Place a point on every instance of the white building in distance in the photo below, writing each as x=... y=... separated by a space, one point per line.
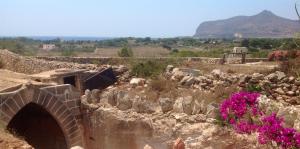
x=48 y=47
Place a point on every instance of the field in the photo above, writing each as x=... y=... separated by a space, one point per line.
x=138 y=51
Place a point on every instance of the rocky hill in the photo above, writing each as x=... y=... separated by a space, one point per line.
x=265 y=24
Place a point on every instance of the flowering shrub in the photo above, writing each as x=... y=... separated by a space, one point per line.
x=272 y=130
x=241 y=111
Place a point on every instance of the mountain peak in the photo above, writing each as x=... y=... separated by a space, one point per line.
x=266 y=13
x=263 y=25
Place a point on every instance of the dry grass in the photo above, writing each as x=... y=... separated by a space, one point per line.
x=220 y=93
x=291 y=67
x=138 y=51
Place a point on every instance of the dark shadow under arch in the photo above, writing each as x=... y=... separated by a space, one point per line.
x=38 y=128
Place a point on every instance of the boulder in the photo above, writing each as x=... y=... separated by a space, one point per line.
x=177 y=107
x=187 y=81
x=256 y=77
x=112 y=97
x=137 y=81
x=290 y=114
x=95 y=95
x=269 y=106
x=244 y=79
x=169 y=68
x=198 y=106
x=290 y=93
x=123 y=101
x=166 y=104
x=280 y=75
x=143 y=106
x=212 y=110
x=297 y=82
x=187 y=104
x=88 y=96
x=292 y=79
x=280 y=91
x=147 y=147
x=177 y=74
x=216 y=72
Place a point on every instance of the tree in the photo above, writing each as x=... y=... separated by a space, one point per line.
x=245 y=43
x=125 y=52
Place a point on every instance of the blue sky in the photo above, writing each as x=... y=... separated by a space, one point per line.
x=124 y=18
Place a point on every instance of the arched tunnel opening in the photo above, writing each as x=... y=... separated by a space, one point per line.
x=38 y=128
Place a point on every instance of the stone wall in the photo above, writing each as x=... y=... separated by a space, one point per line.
x=116 y=60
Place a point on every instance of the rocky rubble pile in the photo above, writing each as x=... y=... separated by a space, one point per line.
x=155 y=124
x=194 y=78
x=290 y=113
x=277 y=86
x=125 y=100
x=158 y=130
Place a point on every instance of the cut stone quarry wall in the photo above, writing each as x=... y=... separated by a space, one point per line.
x=29 y=65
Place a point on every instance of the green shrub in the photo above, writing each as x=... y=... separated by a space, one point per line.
x=253 y=88
x=125 y=52
x=149 y=68
x=68 y=53
x=260 y=54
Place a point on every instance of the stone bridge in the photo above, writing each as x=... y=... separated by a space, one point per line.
x=47 y=116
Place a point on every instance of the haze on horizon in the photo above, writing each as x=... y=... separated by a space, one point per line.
x=125 y=18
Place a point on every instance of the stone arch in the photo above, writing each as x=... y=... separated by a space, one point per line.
x=61 y=102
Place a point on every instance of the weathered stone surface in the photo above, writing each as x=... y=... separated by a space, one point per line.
x=166 y=104
x=88 y=96
x=290 y=114
x=188 y=81
x=123 y=101
x=144 y=106
x=290 y=93
x=187 y=104
x=178 y=105
x=212 y=110
x=170 y=68
x=216 y=72
x=95 y=95
x=280 y=91
x=137 y=81
x=147 y=147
